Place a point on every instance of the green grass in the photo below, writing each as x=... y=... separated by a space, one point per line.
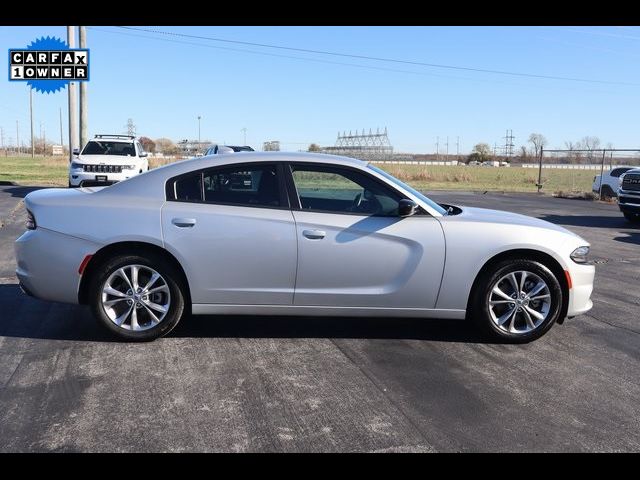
x=53 y=171
x=34 y=171
x=508 y=179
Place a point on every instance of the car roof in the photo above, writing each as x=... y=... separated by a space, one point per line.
x=216 y=160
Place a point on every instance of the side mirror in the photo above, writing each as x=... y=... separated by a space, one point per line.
x=76 y=151
x=143 y=154
x=406 y=208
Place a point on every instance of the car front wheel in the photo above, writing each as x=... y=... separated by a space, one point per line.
x=137 y=297
x=517 y=301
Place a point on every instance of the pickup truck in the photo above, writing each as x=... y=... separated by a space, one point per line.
x=629 y=195
x=609 y=182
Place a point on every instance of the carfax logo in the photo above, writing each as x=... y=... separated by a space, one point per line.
x=48 y=64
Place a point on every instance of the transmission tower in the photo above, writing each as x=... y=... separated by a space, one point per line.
x=131 y=128
x=508 y=143
x=371 y=146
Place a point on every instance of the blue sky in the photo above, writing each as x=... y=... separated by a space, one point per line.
x=165 y=82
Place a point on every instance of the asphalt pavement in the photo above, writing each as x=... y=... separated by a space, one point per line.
x=263 y=384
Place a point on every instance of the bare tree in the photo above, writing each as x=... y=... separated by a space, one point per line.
x=538 y=141
x=571 y=146
x=166 y=146
x=590 y=143
x=523 y=153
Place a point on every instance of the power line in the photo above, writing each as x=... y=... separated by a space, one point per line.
x=379 y=59
x=316 y=60
x=330 y=62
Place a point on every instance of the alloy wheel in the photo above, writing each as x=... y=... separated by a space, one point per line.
x=136 y=297
x=519 y=302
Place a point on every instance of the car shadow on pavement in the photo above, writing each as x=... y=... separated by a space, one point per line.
x=22 y=316
x=598 y=221
x=20 y=191
x=27 y=317
x=438 y=330
x=632 y=237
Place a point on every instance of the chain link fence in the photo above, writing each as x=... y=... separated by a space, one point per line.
x=580 y=164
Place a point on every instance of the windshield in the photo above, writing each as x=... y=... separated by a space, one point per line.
x=394 y=180
x=100 y=147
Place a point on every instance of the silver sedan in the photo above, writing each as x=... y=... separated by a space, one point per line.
x=295 y=234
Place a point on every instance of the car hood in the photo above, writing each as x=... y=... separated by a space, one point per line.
x=106 y=159
x=484 y=215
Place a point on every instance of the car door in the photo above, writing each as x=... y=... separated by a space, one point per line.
x=232 y=230
x=353 y=248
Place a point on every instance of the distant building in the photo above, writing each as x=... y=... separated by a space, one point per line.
x=57 y=150
x=272 y=146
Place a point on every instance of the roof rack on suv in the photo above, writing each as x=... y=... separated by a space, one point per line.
x=107 y=135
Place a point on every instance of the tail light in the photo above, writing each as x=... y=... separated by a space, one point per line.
x=31 y=221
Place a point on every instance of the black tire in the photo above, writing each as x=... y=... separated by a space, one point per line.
x=481 y=295
x=172 y=278
x=607 y=192
x=632 y=217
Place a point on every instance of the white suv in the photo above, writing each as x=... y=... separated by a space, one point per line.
x=107 y=159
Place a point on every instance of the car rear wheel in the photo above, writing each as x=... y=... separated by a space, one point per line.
x=137 y=297
x=516 y=301
x=607 y=192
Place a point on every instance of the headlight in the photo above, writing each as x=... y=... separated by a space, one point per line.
x=31 y=221
x=76 y=165
x=580 y=254
x=620 y=180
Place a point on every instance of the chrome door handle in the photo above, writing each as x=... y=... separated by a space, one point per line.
x=184 y=222
x=314 y=234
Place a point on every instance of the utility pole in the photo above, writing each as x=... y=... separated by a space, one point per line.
x=61 y=141
x=447 y=157
x=44 y=142
x=437 y=148
x=539 y=184
x=131 y=128
x=33 y=147
x=18 y=137
x=199 y=117
x=73 y=102
x=508 y=143
x=2 y=139
x=244 y=130
x=604 y=154
x=83 y=95
x=458 y=148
